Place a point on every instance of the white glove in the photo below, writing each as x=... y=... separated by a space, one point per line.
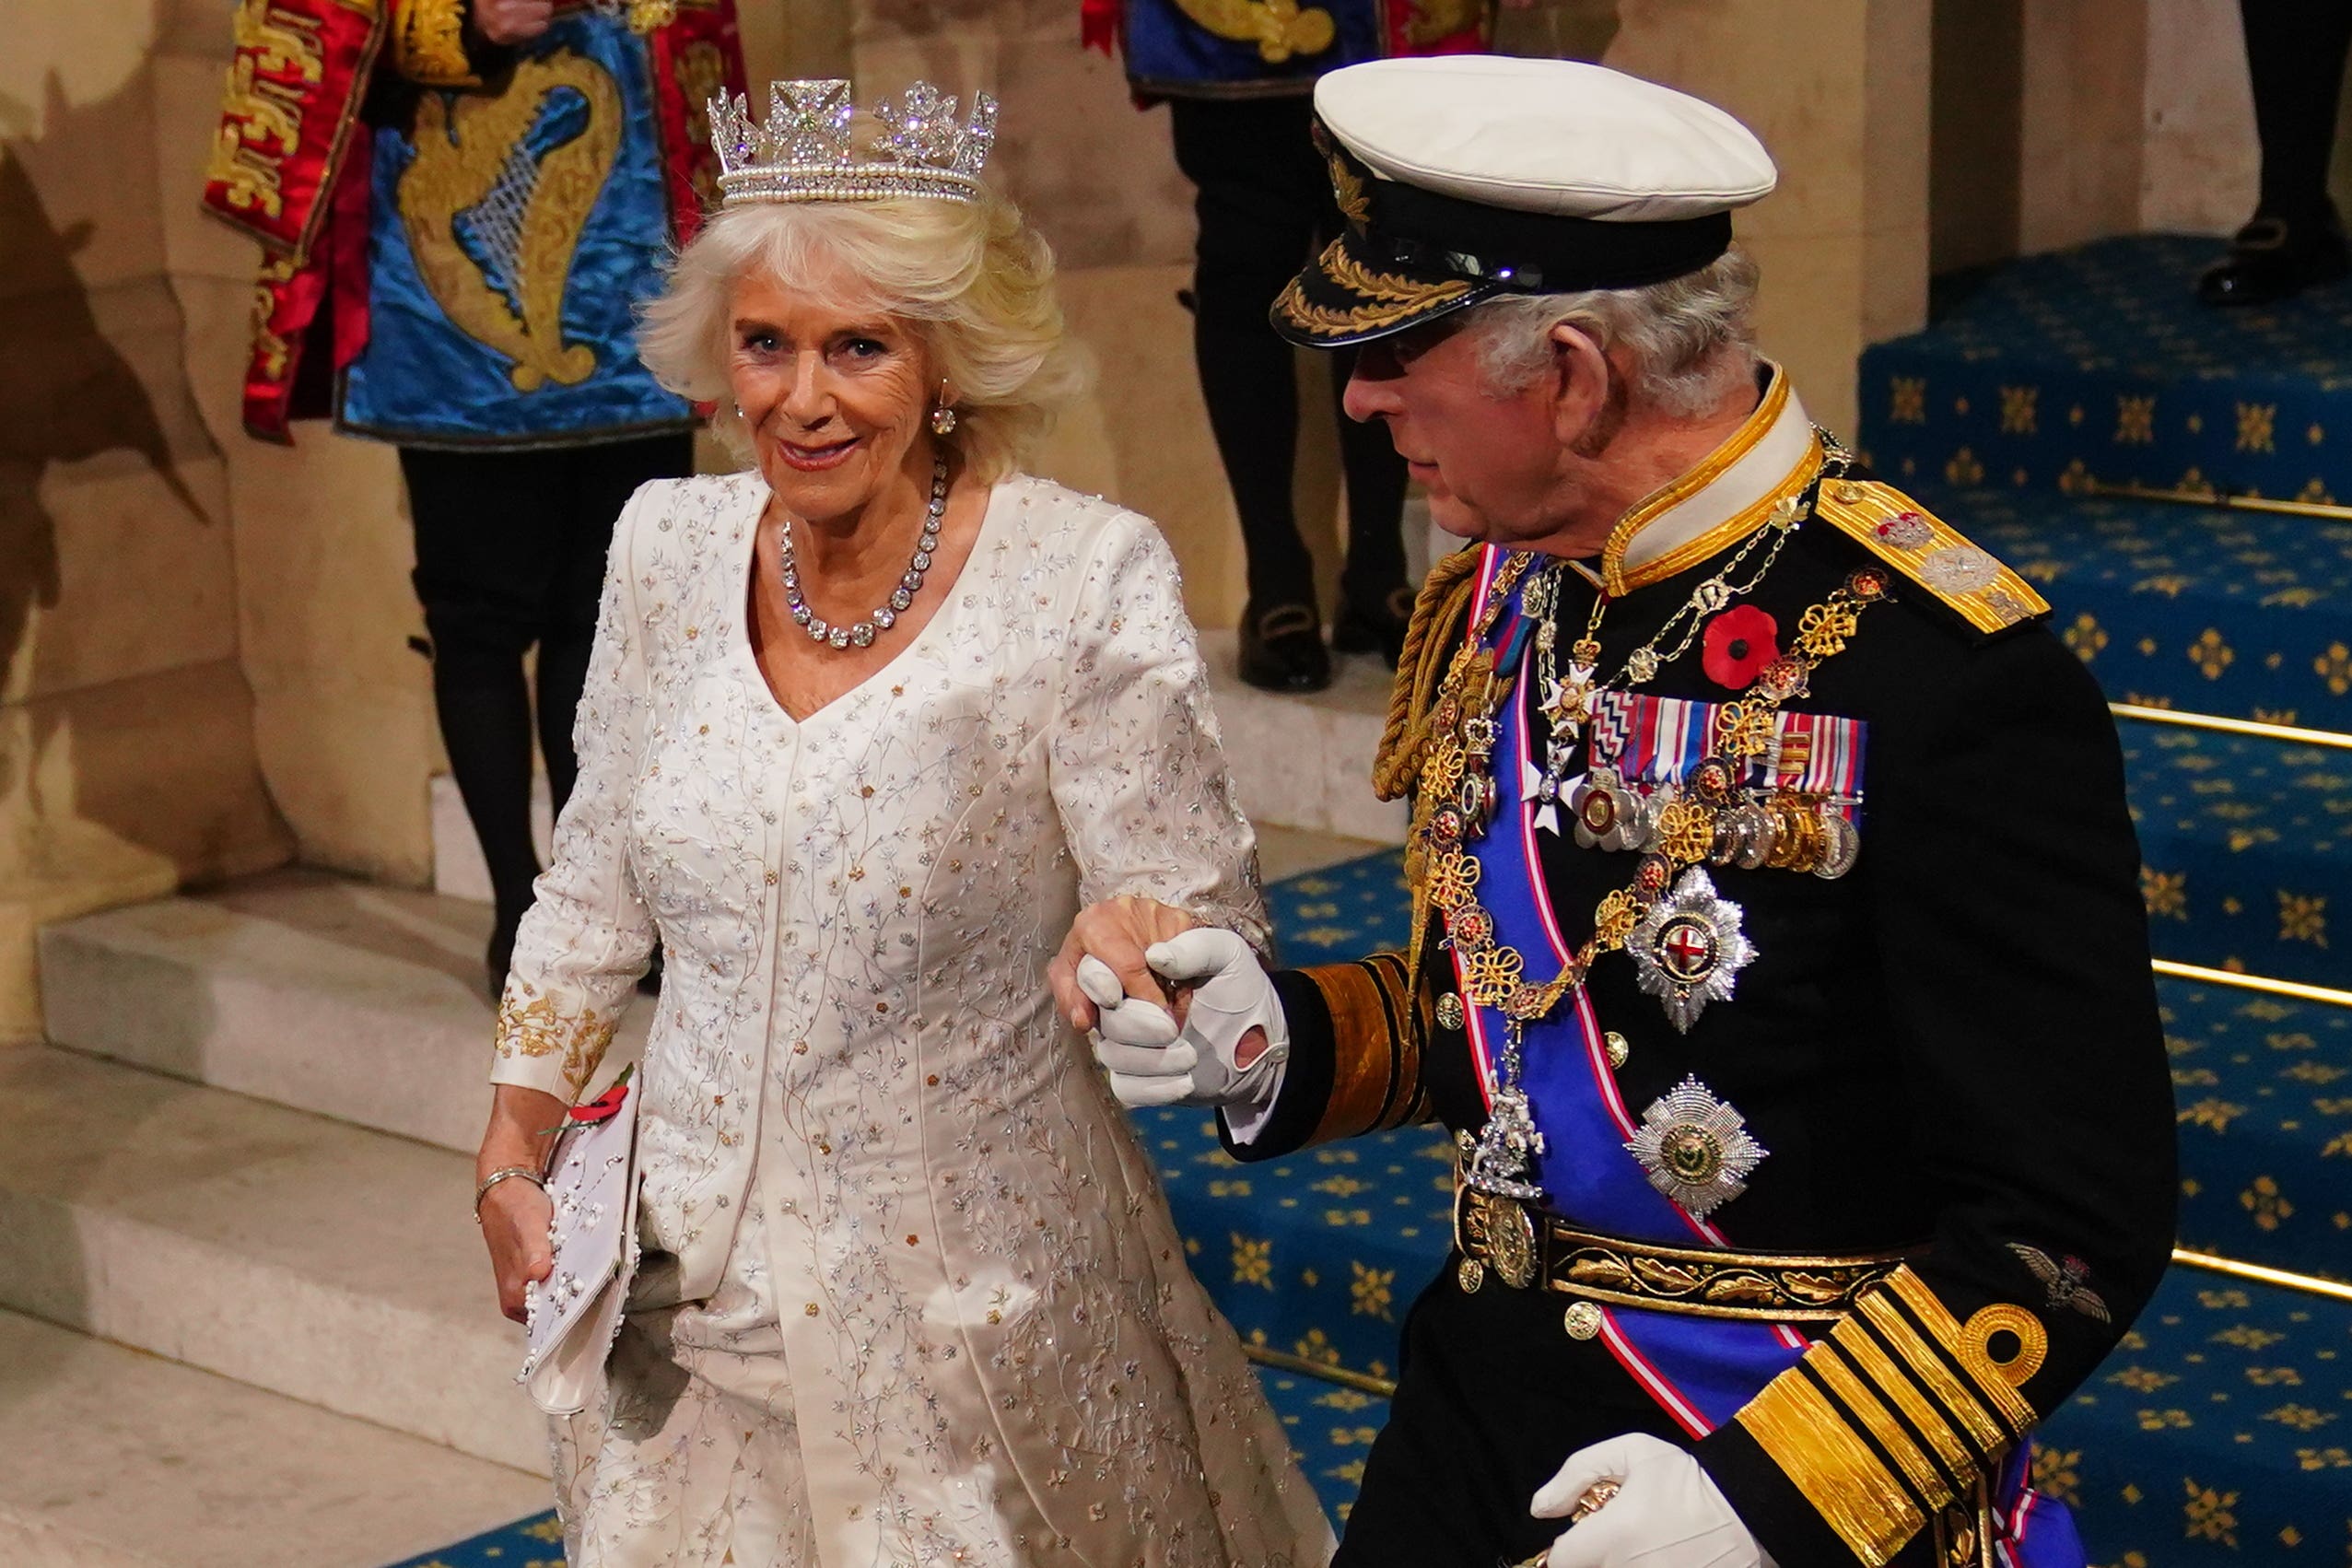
x=1151 y=1063
x=1667 y=1512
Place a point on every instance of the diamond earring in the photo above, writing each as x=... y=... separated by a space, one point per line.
x=943 y=420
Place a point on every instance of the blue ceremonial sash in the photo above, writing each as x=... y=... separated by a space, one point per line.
x=512 y=236
x=1701 y=1370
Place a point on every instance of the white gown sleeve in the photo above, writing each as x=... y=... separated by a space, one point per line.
x=589 y=934
x=1137 y=767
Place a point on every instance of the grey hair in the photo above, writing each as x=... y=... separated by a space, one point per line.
x=1692 y=339
x=972 y=279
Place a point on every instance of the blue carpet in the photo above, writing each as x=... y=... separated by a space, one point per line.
x=2189 y=607
x=2247 y=850
x=2100 y=361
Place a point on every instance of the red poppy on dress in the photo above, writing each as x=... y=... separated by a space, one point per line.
x=605 y=1106
x=1739 y=644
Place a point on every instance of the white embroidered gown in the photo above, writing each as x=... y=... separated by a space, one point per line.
x=913 y=1294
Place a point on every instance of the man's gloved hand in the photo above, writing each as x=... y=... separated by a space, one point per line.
x=1151 y=1062
x=1667 y=1512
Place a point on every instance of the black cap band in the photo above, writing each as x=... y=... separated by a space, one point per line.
x=1534 y=252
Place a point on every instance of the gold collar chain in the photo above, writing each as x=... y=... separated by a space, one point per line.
x=1458 y=796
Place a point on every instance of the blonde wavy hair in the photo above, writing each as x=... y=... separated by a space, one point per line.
x=972 y=279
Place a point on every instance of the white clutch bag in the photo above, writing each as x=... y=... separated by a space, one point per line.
x=574 y=1314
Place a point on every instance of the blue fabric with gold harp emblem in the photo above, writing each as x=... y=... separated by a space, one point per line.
x=1220 y=47
x=513 y=237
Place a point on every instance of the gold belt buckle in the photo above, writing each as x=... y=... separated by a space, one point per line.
x=1497 y=1233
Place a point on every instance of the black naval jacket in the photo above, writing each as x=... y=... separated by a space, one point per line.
x=1955 y=1049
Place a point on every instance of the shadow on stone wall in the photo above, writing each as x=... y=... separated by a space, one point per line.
x=66 y=393
x=88 y=371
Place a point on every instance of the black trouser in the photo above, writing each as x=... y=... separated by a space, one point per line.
x=2295 y=52
x=510 y=551
x=1263 y=197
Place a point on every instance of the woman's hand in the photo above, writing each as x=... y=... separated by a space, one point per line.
x=506 y=22
x=516 y=1213
x=1117 y=931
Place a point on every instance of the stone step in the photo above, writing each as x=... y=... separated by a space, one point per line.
x=324 y=1262
x=119 y=1459
x=355 y=1001
x=1307 y=760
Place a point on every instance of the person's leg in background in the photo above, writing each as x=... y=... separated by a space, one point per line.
x=2294 y=54
x=602 y=479
x=1254 y=233
x=1375 y=602
x=487 y=553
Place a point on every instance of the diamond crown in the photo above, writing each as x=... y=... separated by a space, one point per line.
x=805 y=152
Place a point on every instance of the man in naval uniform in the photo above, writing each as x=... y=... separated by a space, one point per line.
x=1778 y=955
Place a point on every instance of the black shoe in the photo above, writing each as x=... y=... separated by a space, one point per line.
x=2271 y=259
x=1281 y=649
x=1380 y=631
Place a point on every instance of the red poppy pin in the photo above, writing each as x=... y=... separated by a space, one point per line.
x=1739 y=644
x=606 y=1106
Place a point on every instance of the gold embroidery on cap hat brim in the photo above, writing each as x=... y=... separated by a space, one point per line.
x=1390 y=296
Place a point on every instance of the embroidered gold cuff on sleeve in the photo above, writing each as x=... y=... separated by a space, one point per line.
x=1901 y=1411
x=1375 y=1071
x=429 y=44
x=530 y=1025
x=1929 y=552
x=1817 y=1447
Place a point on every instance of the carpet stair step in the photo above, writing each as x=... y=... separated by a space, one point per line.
x=119 y=1459
x=1316 y=1256
x=2264 y=1085
x=351 y=1000
x=2195 y=608
x=2100 y=361
x=301 y=1256
x=2219 y=1433
x=2247 y=848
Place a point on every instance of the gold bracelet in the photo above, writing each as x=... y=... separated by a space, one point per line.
x=528 y=1172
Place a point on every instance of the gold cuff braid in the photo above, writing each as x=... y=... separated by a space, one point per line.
x=1902 y=1410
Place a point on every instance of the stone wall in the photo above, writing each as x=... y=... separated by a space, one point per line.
x=128 y=754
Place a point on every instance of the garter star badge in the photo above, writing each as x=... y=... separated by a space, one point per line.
x=1688 y=948
x=1696 y=1148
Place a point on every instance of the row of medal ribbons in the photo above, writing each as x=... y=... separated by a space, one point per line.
x=1797 y=805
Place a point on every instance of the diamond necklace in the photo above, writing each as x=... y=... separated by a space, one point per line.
x=862 y=633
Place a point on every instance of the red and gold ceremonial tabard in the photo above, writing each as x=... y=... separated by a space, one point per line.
x=290 y=164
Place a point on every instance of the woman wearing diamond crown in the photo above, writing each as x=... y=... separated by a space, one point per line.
x=865 y=726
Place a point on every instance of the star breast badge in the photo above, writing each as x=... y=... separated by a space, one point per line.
x=1695 y=1149
x=1688 y=948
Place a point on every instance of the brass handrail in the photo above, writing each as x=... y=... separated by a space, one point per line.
x=2262 y=729
x=2228 y=500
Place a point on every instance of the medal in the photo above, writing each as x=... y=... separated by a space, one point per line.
x=1844 y=845
x=1688 y=948
x=1696 y=1148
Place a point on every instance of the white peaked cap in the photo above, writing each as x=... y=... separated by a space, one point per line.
x=1553 y=137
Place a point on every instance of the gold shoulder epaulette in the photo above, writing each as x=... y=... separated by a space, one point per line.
x=1930 y=552
x=1438 y=614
